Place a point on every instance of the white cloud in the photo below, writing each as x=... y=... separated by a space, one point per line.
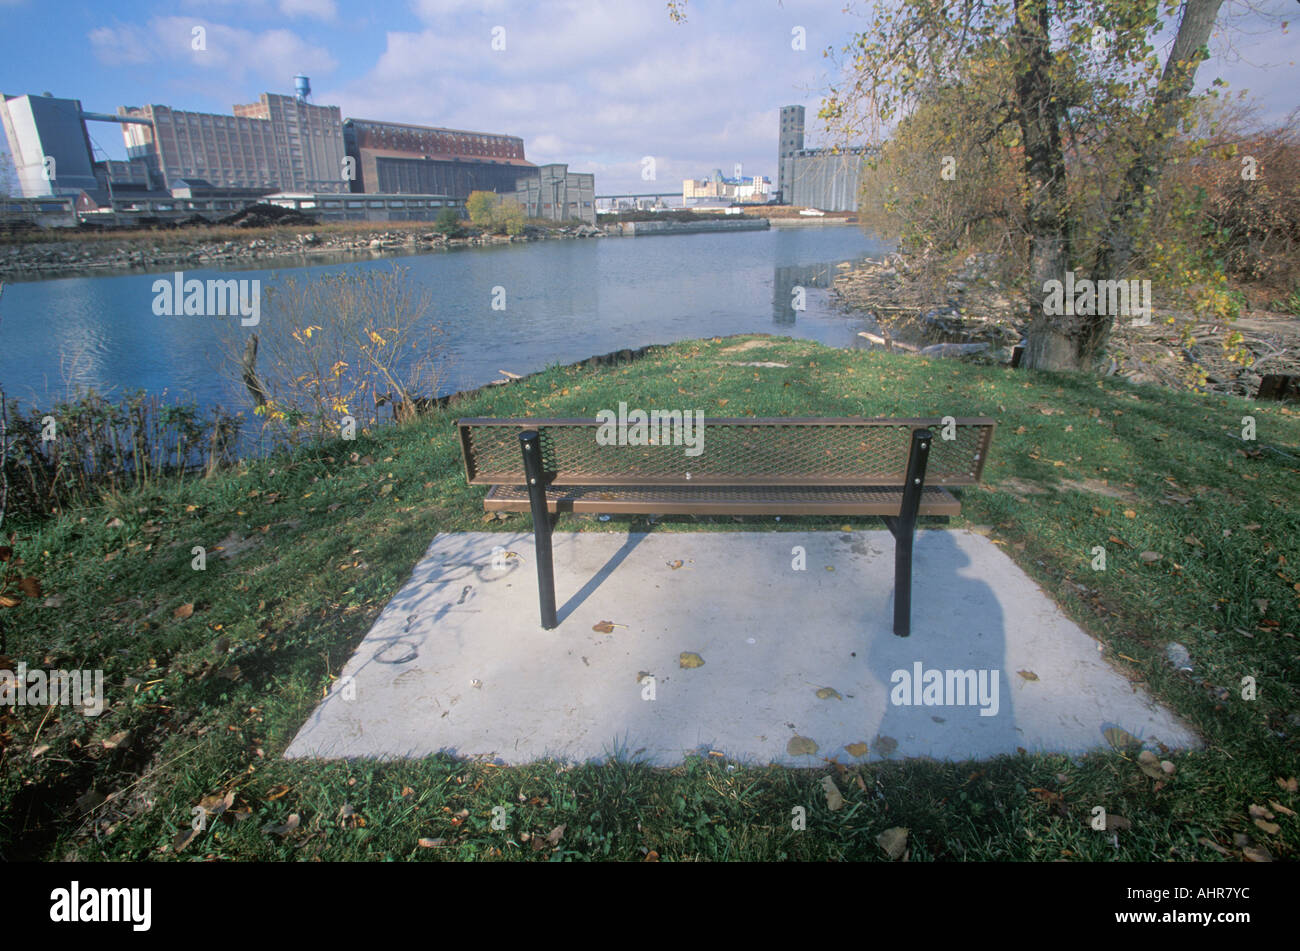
x=272 y=55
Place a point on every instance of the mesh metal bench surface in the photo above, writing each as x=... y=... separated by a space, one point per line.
x=892 y=468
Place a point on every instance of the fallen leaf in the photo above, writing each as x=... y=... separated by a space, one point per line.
x=217 y=803
x=857 y=749
x=1210 y=843
x=430 y=843
x=1278 y=807
x=1256 y=853
x=1272 y=828
x=1150 y=557
x=885 y=745
x=183 y=838
x=1114 y=822
x=1129 y=513
x=290 y=824
x=30 y=587
x=827 y=693
x=651 y=856
x=893 y=841
x=1149 y=763
x=1027 y=674
x=689 y=660
x=276 y=792
x=674 y=565
x=801 y=746
x=1120 y=738
x=184 y=611
x=556 y=834
x=834 y=799
x=1289 y=785
x=118 y=741
x=1193 y=540
x=603 y=627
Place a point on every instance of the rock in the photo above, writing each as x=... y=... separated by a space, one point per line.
x=1178 y=656
x=953 y=349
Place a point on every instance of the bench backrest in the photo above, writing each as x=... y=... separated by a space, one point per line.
x=743 y=451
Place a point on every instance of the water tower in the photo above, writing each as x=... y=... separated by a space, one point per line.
x=303 y=86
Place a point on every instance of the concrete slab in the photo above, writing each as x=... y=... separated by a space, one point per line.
x=459 y=663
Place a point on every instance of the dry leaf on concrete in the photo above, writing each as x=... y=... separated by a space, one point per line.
x=801 y=746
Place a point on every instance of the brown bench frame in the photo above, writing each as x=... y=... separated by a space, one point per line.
x=898 y=498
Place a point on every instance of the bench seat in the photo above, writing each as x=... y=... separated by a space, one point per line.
x=724 y=500
x=839 y=467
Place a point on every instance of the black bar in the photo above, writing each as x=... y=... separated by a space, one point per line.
x=532 y=449
x=904 y=529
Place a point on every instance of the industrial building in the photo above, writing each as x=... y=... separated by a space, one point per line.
x=756 y=189
x=556 y=194
x=789 y=142
x=49 y=145
x=396 y=158
x=182 y=162
x=279 y=142
x=367 y=207
x=827 y=179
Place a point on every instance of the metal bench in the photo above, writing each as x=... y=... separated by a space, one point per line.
x=892 y=468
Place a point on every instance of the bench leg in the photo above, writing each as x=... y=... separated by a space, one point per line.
x=532 y=449
x=904 y=529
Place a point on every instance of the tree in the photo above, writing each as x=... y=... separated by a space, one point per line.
x=448 y=222
x=1076 y=73
x=508 y=216
x=480 y=206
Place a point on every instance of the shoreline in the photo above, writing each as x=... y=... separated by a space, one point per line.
x=144 y=253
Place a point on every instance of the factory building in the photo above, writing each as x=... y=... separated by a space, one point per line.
x=279 y=142
x=556 y=194
x=828 y=179
x=790 y=141
x=48 y=144
x=180 y=161
x=753 y=190
x=396 y=158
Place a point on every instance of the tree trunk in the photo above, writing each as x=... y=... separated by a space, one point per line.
x=1131 y=205
x=1052 y=340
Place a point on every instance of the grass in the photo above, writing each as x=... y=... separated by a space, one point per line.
x=321 y=540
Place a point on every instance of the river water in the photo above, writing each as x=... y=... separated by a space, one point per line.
x=566 y=300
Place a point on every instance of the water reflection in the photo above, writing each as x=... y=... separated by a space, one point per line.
x=789 y=288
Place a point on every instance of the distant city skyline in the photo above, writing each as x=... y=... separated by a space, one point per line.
x=599 y=86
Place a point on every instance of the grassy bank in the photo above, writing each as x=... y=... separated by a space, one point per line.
x=212 y=672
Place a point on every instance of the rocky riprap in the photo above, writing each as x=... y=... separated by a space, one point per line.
x=972 y=313
x=140 y=253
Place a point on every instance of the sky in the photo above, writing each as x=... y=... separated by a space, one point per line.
x=599 y=84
